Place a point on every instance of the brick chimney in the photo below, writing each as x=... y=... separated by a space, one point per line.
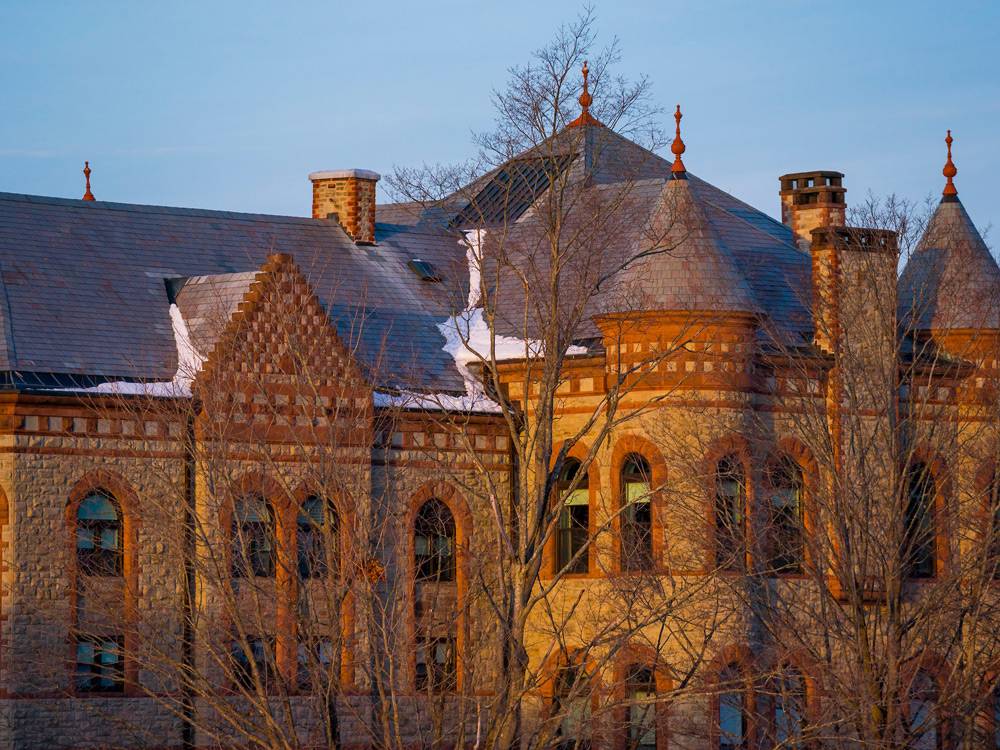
x=812 y=200
x=349 y=194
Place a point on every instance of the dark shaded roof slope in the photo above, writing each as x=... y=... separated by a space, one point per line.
x=951 y=281
x=85 y=290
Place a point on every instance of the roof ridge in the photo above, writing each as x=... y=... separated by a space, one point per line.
x=158 y=209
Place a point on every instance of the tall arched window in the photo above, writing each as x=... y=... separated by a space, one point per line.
x=925 y=725
x=640 y=686
x=789 y=708
x=786 y=516
x=571 y=705
x=253 y=538
x=732 y=721
x=637 y=515
x=434 y=542
x=99 y=535
x=919 y=532
x=574 y=519
x=317 y=540
x=730 y=513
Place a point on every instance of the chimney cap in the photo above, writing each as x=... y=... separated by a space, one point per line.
x=343 y=174
x=813 y=173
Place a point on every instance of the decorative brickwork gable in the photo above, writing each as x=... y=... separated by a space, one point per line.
x=281 y=360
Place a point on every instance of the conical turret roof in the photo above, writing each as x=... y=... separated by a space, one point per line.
x=688 y=267
x=952 y=281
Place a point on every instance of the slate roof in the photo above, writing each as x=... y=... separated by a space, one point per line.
x=84 y=292
x=724 y=255
x=952 y=280
x=84 y=297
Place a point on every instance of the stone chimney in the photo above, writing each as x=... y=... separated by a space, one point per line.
x=854 y=312
x=812 y=200
x=349 y=196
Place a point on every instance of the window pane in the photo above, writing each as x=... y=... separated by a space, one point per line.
x=572 y=702
x=923 y=718
x=259 y=656
x=642 y=710
x=637 y=516
x=97 y=507
x=434 y=542
x=436 y=668
x=316 y=538
x=919 y=532
x=98 y=536
x=789 y=710
x=99 y=665
x=732 y=711
x=253 y=539
x=785 y=479
x=729 y=509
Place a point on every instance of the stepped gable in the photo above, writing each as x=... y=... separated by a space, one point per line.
x=87 y=299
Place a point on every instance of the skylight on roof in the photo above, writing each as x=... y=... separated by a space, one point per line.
x=424 y=269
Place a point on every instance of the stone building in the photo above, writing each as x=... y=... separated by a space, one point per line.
x=172 y=378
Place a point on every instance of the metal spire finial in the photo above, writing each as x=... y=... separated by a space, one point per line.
x=949 y=171
x=87 y=195
x=585 y=100
x=678 y=147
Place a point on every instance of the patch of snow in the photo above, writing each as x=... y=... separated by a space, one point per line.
x=474 y=239
x=437 y=402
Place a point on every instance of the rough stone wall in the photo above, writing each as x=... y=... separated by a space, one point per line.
x=52 y=453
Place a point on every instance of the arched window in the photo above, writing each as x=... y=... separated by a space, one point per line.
x=99 y=535
x=640 y=686
x=919 y=532
x=317 y=539
x=925 y=726
x=571 y=705
x=434 y=542
x=730 y=513
x=732 y=721
x=789 y=708
x=574 y=519
x=253 y=538
x=637 y=515
x=786 y=516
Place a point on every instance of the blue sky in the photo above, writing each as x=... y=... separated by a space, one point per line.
x=230 y=105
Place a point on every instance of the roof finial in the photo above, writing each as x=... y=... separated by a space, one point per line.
x=949 y=171
x=87 y=196
x=585 y=100
x=677 y=147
